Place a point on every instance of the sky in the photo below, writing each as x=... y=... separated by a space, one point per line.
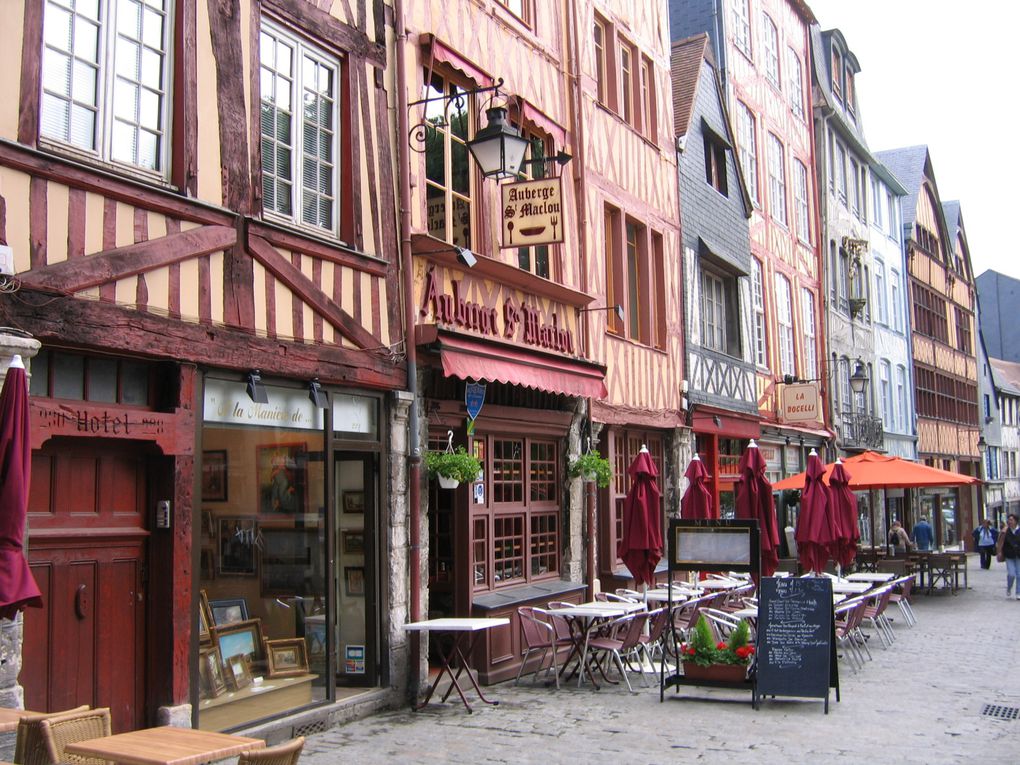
x=942 y=73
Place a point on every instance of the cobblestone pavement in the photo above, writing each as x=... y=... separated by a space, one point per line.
x=918 y=702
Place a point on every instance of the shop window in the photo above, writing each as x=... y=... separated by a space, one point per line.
x=106 y=78
x=480 y=552
x=508 y=548
x=449 y=179
x=544 y=541
x=507 y=471
x=56 y=374
x=544 y=473
x=625 y=446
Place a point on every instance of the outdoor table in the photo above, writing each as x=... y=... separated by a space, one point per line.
x=851 y=588
x=590 y=614
x=9 y=719
x=663 y=595
x=870 y=576
x=164 y=746
x=457 y=630
x=720 y=584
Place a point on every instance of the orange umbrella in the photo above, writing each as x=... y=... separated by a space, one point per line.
x=871 y=470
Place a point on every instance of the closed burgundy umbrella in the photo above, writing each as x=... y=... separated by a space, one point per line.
x=17 y=586
x=754 y=501
x=696 y=504
x=640 y=546
x=844 y=505
x=816 y=529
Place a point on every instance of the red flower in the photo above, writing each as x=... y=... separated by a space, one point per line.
x=721 y=646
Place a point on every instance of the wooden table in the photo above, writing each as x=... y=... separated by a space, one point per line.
x=165 y=746
x=9 y=719
x=456 y=629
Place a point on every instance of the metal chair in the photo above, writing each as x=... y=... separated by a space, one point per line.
x=901 y=597
x=283 y=754
x=626 y=643
x=55 y=732
x=539 y=635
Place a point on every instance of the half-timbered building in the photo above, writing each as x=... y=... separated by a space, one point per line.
x=718 y=306
x=762 y=51
x=199 y=197
x=943 y=303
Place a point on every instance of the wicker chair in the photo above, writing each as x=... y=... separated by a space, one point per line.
x=57 y=731
x=28 y=745
x=284 y=754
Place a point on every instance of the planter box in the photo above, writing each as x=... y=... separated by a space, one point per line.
x=727 y=673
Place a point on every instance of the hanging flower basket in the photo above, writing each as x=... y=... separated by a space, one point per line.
x=592 y=467
x=448 y=483
x=452 y=466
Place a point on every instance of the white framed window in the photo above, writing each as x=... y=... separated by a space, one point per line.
x=777 y=179
x=801 y=213
x=807 y=311
x=894 y=304
x=877 y=213
x=758 y=306
x=299 y=86
x=784 y=320
x=713 y=312
x=748 y=148
x=841 y=172
x=890 y=200
x=846 y=394
x=796 y=82
x=881 y=302
x=902 y=405
x=886 y=392
x=855 y=187
x=105 y=79
x=770 y=37
x=742 y=26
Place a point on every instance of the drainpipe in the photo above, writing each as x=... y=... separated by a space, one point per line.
x=407 y=267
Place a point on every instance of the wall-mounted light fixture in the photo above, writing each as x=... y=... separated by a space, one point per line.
x=317 y=395
x=859 y=379
x=617 y=309
x=466 y=257
x=256 y=390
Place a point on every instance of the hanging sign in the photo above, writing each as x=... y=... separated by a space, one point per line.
x=800 y=403
x=474 y=397
x=532 y=212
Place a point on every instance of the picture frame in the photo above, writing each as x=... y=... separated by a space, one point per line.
x=353 y=541
x=227 y=611
x=238 y=536
x=287 y=657
x=354 y=581
x=205 y=621
x=238 y=672
x=214 y=475
x=354 y=502
x=212 y=682
x=241 y=638
x=282 y=474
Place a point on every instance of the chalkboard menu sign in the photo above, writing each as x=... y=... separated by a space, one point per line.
x=796 y=638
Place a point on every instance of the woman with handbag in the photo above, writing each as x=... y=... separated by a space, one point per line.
x=1007 y=549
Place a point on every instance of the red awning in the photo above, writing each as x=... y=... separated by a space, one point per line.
x=471 y=359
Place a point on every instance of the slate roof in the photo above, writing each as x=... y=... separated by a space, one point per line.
x=1006 y=375
x=908 y=166
x=685 y=72
x=951 y=210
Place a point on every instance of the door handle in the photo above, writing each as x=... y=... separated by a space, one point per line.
x=82 y=602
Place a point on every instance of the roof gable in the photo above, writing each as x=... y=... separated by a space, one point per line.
x=685 y=71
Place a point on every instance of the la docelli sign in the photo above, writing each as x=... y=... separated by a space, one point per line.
x=507 y=319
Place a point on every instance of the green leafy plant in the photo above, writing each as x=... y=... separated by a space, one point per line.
x=458 y=464
x=591 y=465
x=703 y=650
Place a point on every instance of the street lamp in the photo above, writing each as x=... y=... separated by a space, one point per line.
x=859 y=379
x=498 y=148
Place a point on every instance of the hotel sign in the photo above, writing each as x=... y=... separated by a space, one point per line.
x=801 y=403
x=532 y=212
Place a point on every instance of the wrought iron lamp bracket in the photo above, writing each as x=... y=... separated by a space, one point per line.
x=417 y=136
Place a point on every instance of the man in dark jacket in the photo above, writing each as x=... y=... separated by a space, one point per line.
x=924 y=538
x=984 y=540
x=1009 y=547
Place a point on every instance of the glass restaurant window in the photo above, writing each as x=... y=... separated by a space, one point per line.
x=262 y=540
x=448 y=174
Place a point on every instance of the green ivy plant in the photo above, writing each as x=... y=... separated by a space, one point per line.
x=591 y=464
x=458 y=464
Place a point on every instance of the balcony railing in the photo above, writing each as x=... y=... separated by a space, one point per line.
x=861 y=431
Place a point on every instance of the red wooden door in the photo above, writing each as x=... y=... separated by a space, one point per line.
x=87 y=544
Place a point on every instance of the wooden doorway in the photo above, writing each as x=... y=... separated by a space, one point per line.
x=87 y=548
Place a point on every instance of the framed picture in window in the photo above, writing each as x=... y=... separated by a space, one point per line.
x=237 y=539
x=241 y=639
x=281 y=471
x=353 y=541
x=286 y=658
x=238 y=672
x=354 y=502
x=211 y=680
x=214 y=475
x=354 y=581
x=228 y=611
x=205 y=620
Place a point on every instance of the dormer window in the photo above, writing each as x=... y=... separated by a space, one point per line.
x=837 y=75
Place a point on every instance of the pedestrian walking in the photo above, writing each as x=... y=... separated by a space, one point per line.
x=898 y=539
x=985 y=538
x=1007 y=549
x=923 y=535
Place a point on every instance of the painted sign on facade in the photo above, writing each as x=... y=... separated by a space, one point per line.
x=532 y=212
x=800 y=403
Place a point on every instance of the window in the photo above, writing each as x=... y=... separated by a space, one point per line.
x=519 y=8
x=895 y=307
x=742 y=26
x=105 y=79
x=800 y=201
x=846 y=394
x=837 y=75
x=849 y=100
x=758 y=307
x=635 y=279
x=449 y=180
x=627 y=63
x=963 y=338
x=902 y=406
x=649 y=117
x=601 y=57
x=784 y=318
x=298 y=125
x=536 y=258
x=713 y=312
x=876 y=202
x=796 y=76
x=770 y=35
x=894 y=231
x=841 y=172
x=881 y=304
x=807 y=310
x=715 y=163
x=855 y=187
x=930 y=314
x=635 y=274
x=614 y=268
x=777 y=180
x=56 y=374
x=885 y=391
x=747 y=146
